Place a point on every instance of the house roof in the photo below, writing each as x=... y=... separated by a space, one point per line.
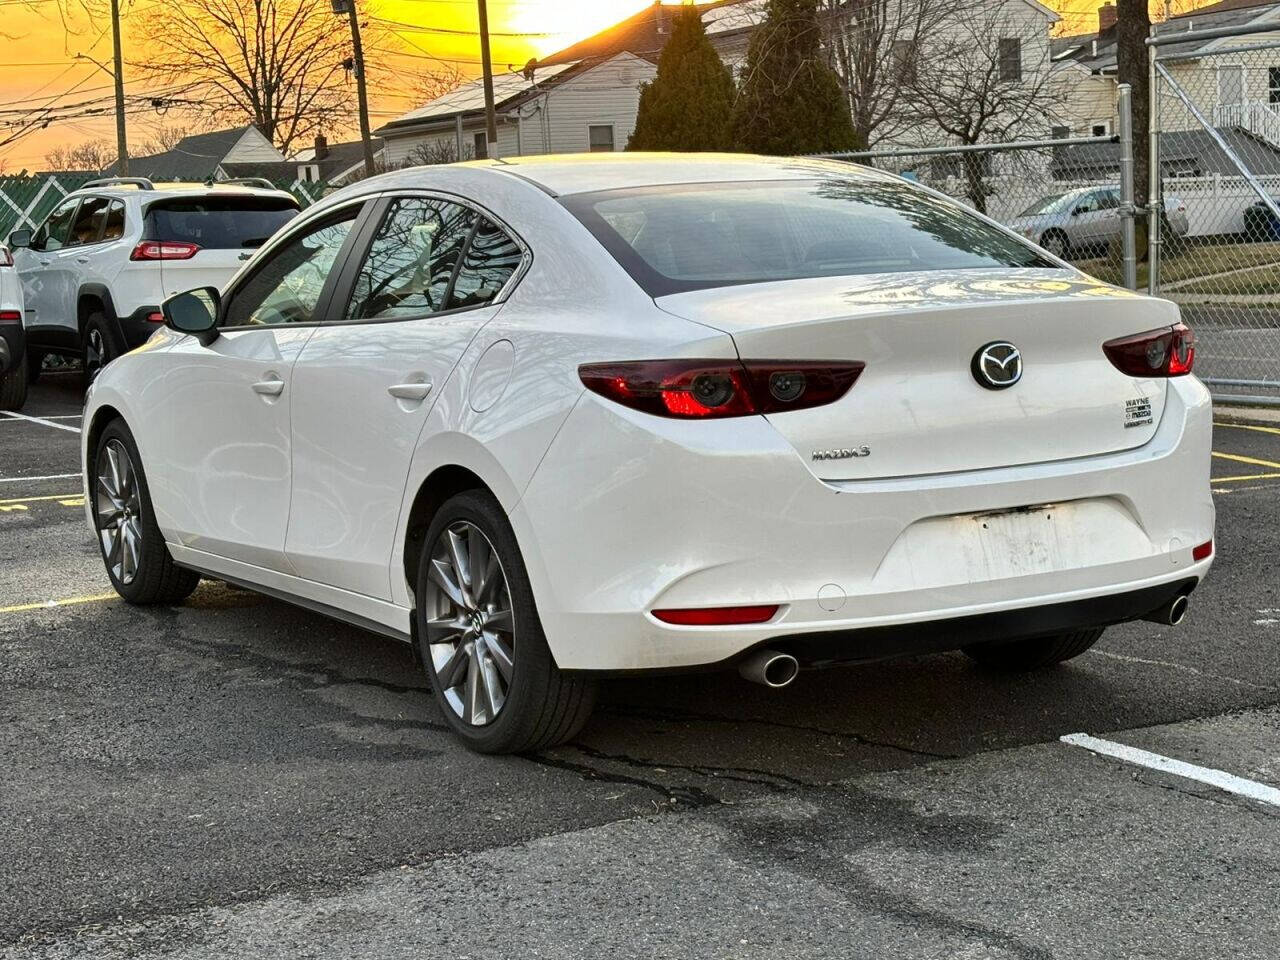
x=276 y=171
x=1178 y=148
x=339 y=158
x=1224 y=5
x=508 y=88
x=195 y=157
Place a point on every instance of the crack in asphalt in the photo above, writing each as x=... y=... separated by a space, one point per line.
x=691 y=796
x=763 y=778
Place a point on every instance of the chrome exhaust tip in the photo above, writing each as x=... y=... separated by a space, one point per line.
x=770 y=668
x=1172 y=613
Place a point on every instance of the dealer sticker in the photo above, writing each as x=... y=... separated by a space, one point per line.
x=1137 y=412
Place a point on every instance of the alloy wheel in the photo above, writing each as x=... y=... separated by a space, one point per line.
x=470 y=628
x=95 y=348
x=119 y=511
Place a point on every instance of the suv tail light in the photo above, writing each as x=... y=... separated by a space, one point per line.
x=164 y=250
x=706 y=389
x=10 y=316
x=1167 y=352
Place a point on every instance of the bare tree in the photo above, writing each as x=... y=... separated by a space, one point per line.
x=874 y=46
x=164 y=136
x=92 y=156
x=278 y=64
x=1133 y=24
x=977 y=82
x=438 y=151
x=434 y=84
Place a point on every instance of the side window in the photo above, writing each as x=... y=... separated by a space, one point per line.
x=114 y=228
x=287 y=288
x=411 y=261
x=87 y=226
x=486 y=267
x=1108 y=199
x=53 y=233
x=1086 y=204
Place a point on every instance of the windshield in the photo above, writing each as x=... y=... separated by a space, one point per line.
x=693 y=236
x=219 y=223
x=1044 y=205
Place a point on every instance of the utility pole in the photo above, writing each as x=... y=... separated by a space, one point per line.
x=122 y=145
x=357 y=67
x=486 y=62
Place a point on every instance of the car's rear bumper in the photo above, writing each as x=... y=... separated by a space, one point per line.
x=626 y=516
x=13 y=345
x=136 y=329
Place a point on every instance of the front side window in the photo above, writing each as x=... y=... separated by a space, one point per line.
x=1010 y=53
x=87 y=226
x=55 y=231
x=681 y=237
x=287 y=288
x=488 y=264
x=600 y=138
x=411 y=262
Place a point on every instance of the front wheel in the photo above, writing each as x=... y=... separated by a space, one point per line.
x=480 y=638
x=99 y=347
x=1055 y=241
x=1034 y=653
x=133 y=548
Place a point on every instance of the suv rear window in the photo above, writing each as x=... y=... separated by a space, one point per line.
x=694 y=236
x=219 y=223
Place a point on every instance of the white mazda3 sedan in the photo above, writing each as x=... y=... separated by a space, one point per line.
x=553 y=418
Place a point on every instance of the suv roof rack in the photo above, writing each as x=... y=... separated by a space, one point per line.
x=262 y=182
x=142 y=183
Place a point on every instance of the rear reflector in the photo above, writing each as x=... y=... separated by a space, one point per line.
x=707 y=389
x=1166 y=352
x=155 y=317
x=717 y=616
x=164 y=250
x=1202 y=552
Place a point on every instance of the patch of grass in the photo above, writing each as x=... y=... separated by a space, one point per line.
x=1188 y=259
x=1253 y=283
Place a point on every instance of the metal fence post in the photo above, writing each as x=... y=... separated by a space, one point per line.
x=1153 y=174
x=1128 y=232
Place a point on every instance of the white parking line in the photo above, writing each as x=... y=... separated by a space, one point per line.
x=50 y=476
x=47 y=423
x=1154 y=761
x=61 y=416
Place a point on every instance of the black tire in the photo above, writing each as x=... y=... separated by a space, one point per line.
x=543 y=706
x=98 y=346
x=1034 y=653
x=35 y=364
x=13 y=388
x=1056 y=238
x=157 y=580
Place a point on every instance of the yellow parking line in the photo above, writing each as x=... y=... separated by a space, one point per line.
x=1253 y=460
x=1252 y=476
x=1247 y=426
x=52 y=496
x=48 y=604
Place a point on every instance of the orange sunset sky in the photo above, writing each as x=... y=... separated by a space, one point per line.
x=38 y=49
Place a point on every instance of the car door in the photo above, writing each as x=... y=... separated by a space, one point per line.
x=1083 y=225
x=433 y=273
x=224 y=439
x=42 y=269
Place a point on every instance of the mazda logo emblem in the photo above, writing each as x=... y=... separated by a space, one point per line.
x=997 y=365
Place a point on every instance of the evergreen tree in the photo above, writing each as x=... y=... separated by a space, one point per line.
x=791 y=101
x=689 y=104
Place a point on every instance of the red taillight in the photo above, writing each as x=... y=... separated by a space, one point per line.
x=698 y=389
x=1167 y=352
x=155 y=317
x=1202 y=552
x=10 y=316
x=164 y=250
x=718 y=616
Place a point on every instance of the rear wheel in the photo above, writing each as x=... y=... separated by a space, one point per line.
x=480 y=638
x=133 y=548
x=99 y=347
x=1034 y=653
x=13 y=388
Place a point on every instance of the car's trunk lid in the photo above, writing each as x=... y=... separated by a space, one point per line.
x=918 y=407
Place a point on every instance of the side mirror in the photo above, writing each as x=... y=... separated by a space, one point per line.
x=19 y=238
x=194 y=312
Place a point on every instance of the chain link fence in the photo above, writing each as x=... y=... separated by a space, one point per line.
x=1215 y=107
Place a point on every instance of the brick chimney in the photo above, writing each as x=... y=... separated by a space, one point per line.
x=322 y=145
x=1106 y=17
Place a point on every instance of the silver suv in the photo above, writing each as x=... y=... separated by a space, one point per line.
x=97 y=269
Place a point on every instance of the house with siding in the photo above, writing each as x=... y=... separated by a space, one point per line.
x=217 y=155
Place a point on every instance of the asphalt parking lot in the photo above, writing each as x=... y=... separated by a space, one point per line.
x=240 y=778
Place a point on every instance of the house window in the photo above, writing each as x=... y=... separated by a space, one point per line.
x=600 y=137
x=1060 y=133
x=481 y=146
x=1010 y=53
x=1273 y=84
x=903 y=54
x=1100 y=130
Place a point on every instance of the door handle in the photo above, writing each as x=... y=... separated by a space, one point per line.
x=45 y=263
x=82 y=259
x=410 y=391
x=269 y=388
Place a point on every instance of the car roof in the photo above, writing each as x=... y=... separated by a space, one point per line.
x=170 y=190
x=567 y=174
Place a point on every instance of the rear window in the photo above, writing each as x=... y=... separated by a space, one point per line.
x=693 y=236
x=219 y=223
